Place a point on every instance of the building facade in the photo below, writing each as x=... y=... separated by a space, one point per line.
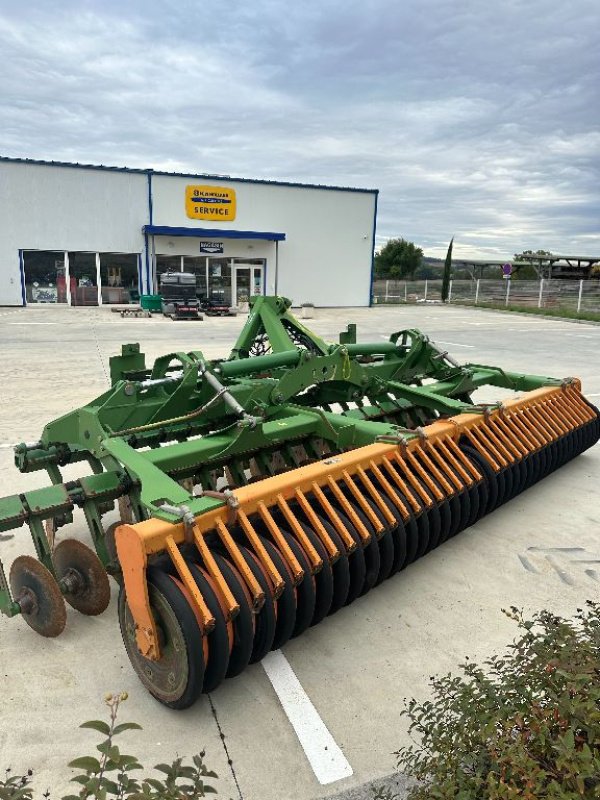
x=91 y=235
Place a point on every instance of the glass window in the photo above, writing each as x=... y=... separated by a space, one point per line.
x=119 y=277
x=44 y=276
x=84 y=286
x=219 y=280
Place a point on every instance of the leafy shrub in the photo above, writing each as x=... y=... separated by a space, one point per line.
x=109 y=776
x=525 y=725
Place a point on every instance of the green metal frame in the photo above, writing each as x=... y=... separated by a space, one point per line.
x=186 y=416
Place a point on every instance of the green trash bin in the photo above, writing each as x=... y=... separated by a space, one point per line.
x=151 y=302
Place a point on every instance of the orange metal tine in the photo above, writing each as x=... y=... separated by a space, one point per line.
x=442 y=471
x=527 y=425
x=491 y=442
x=495 y=459
x=576 y=398
x=557 y=426
x=283 y=546
x=423 y=460
x=463 y=464
x=389 y=489
x=416 y=506
x=546 y=422
x=347 y=539
x=216 y=574
x=349 y=511
x=563 y=412
x=416 y=485
x=499 y=439
x=511 y=437
x=317 y=526
x=450 y=480
x=537 y=424
x=578 y=408
x=315 y=559
x=557 y=419
x=258 y=596
x=203 y=612
x=360 y=499
x=375 y=494
x=425 y=477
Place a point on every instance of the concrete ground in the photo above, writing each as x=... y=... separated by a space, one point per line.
x=356 y=667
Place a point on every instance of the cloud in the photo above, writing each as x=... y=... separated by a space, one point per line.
x=472 y=120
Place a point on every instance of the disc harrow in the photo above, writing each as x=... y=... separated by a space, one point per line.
x=259 y=494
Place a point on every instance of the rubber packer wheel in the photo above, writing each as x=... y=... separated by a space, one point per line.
x=340 y=569
x=78 y=567
x=489 y=476
x=286 y=603
x=42 y=604
x=323 y=578
x=358 y=567
x=176 y=679
x=306 y=592
x=218 y=639
x=265 y=621
x=243 y=626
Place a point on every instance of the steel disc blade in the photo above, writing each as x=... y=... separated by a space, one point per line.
x=82 y=577
x=34 y=588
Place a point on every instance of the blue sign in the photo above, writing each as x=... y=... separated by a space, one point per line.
x=211 y=247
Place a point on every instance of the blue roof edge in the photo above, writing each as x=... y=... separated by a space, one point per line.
x=221 y=233
x=141 y=171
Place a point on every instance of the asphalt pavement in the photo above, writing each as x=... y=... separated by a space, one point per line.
x=353 y=670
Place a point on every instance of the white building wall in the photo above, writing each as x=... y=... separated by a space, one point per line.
x=326 y=257
x=44 y=207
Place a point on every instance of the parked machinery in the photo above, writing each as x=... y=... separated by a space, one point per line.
x=178 y=293
x=260 y=493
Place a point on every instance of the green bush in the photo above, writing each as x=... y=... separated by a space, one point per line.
x=525 y=725
x=109 y=776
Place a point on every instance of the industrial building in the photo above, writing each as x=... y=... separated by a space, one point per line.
x=90 y=235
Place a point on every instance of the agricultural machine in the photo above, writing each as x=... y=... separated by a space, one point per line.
x=260 y=493
x=178 y=293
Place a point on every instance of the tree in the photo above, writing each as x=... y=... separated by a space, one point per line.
x=447 y=272
x=397 y=259
x=542 y=254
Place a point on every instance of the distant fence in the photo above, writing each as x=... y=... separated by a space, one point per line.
x=578 y=296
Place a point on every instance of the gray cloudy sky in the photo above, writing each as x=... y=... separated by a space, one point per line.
x=477 y=119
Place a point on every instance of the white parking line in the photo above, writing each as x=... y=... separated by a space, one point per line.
x=453 y=344
x=324 y=756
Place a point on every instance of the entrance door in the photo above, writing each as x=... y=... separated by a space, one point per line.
x=248 y=282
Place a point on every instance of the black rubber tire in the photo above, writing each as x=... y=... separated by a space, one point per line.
x=489 y=476
x=217 y=639
x=340 y=569
x=189 y=630
x=243 y=628
x=286 y=603
x=371 y=549
x=358 y=567
x=422 y=521
x=323 y=578
x=464 y=505
x=412 y=536
x=306 y=591
x=265 y=621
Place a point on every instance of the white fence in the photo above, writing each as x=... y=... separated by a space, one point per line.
x=579 y=296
